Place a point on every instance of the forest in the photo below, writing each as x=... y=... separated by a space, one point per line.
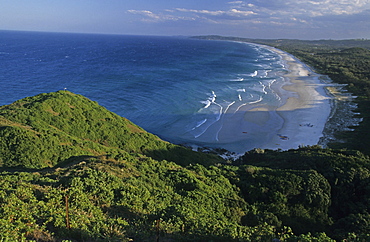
x=71 y=170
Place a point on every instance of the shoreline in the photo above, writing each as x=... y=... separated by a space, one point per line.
x=302 y=117
x=298 y=120
x=307 y=111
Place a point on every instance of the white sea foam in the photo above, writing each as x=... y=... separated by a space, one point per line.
x=213 y=96
x=220 y=117
x=210 y=100
x=220 y=112
x=200 y=124
x=240 y=79
x=263 y=87
x=257 y=101
x=198 y=135
x=263 y=73
x=272 y=81
x=258 y=88
x=253 y=74
x=207 y=103
x=228 y=106
x=214 y=112
x=208 y=123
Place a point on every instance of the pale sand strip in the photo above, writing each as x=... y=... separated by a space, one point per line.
x=305 y=114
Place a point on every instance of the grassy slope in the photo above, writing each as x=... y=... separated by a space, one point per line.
x=46 y=129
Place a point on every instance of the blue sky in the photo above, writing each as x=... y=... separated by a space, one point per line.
x=300 y=19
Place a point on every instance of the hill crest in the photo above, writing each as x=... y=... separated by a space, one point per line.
x=48 y=128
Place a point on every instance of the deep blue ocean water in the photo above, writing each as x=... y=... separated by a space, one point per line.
x=174 y=87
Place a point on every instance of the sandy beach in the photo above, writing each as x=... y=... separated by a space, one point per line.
x=298 y=120
x=305 y=111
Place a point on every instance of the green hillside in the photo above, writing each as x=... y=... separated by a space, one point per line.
x=73 y=171
x=47 y=129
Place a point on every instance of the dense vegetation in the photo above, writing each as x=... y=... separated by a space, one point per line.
x=71 y=170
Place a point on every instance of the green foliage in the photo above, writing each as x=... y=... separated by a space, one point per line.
x=289 y=197
x=73 y=171
x=340 y=174
x=105 y=206
x=320 y=237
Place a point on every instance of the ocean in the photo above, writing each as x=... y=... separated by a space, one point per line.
x=175 y=87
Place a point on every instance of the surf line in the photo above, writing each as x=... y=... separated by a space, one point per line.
x=200 y=124
x=217 y=119
x=211 y=100
x=221 y=117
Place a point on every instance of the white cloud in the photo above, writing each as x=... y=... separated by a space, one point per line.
x=326 y=7
x=207 y=12
x=231 y=12
x=145 y=13
x=236 y=2
x=235 y=12
x=278 y=12
x=152 y=17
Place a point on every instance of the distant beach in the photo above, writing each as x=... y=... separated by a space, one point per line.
x=306 y=112
x=298 y=120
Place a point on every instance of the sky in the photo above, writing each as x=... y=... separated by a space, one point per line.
x=269 y=19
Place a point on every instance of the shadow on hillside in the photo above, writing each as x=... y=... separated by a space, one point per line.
x=154 y=229
x=73 y=160
x=132 y=234
x=183 y=156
